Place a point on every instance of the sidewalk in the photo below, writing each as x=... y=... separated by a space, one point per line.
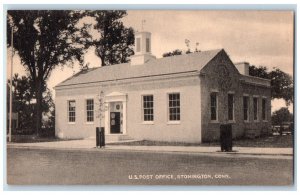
x=90 y=144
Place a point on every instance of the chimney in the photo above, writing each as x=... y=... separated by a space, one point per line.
x=243 y=68
x=142 y=49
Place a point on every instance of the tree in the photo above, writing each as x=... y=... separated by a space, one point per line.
x=180 y=52
x=281 y=83
x=24 y=102
x=260 y=71
x=116 y=40
x=44 y=40
x=281 y=116
x=282 y=86
x=173 y=53
x=22 y=96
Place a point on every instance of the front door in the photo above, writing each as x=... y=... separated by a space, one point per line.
x=115 y=126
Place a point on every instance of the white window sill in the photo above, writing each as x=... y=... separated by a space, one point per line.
x=71 y=123
x=256 y=121
x=173 y=123
x=247 y=121
x=89 y=123
x=214 y=121
x=116 y=134
x=148 y=123
x=231 y=121
x=265 y=121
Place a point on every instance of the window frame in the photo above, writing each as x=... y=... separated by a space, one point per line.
x=68 y=105
x=173 y=107
x=257 y=108
x=233 y=107
x=86 y=111
x=264 y=119
x=143 y=109
x=217 y=107
x=248 y=108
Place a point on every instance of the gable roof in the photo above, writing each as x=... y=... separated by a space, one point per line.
x=163 y=66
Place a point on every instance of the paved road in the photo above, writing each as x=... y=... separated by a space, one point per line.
x=51 y=166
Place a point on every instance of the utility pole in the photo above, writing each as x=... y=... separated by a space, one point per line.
x=11 y=80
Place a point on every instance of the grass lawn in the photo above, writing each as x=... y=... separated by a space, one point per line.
x=274 y=141
x=34 y=138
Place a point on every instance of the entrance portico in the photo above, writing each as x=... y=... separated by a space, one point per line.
x=115 y=114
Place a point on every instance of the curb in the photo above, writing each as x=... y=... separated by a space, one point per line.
x=94 y=149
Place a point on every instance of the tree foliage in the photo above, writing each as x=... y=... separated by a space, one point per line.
x=44 y=39
x=282 y=115
x=180 y=52
x=115 y=43
x=281 y=82
x=173 y=53
x=24 y=104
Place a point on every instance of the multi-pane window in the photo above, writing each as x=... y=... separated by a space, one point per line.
x=255 y=108
x=246 y=107
x=71 y=110
x=138 y=44
x=213 y=106
x=147 y=45
x=264 y=103
x=89 y=110
x=174 y=107
x=148 y=107
x=230 y=107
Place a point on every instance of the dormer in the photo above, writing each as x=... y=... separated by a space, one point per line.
x=142 y=49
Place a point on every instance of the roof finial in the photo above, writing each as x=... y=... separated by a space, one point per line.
x=143 y=23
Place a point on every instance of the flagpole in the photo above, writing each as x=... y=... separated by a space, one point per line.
x=11 y=80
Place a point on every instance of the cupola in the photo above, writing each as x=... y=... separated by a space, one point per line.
x=142 y=50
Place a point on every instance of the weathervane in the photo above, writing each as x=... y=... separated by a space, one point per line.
x=143 y=23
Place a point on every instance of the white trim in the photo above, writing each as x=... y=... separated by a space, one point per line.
x=147 y=123
x=168 y=108
x=106 y=119
x=68 y=111
x=214 y=91
x=115 y=97
x=142 y=109
x=85 y=111
x=124 y=111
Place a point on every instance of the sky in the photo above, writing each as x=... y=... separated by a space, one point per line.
x=262 y=38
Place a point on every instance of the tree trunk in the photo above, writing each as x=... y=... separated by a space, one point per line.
x=38 y=107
